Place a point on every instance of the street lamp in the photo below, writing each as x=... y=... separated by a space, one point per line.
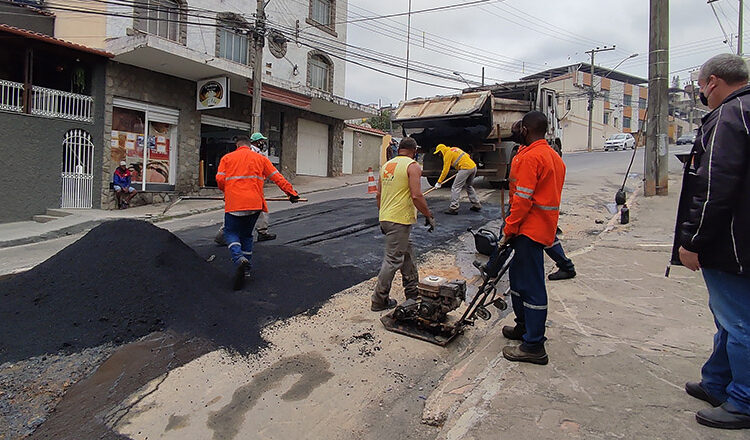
x=462 y=78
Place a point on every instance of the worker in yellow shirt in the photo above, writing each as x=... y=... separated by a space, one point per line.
x=467 y=171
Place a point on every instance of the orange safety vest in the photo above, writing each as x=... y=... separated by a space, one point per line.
x=241 y=176
x=537 y=175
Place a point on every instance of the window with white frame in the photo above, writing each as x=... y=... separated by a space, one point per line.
x=160 y=17
x=321 y=11
x=232 y=40
x=319 y=72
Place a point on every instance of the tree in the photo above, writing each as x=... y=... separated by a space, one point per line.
x=382 y=121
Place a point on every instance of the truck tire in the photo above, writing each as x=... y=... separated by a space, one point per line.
x=498 y=184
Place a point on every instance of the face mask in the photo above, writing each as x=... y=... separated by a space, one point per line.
x=703 y=97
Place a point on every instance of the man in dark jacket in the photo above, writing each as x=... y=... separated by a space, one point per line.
x=712 y=234
x=121 y=184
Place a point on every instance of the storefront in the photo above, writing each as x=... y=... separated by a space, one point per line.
x=145 y=137
x=218 y=137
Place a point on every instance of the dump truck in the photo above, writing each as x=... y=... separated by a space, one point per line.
x=476 y=120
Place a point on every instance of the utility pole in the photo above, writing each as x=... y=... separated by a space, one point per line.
x=592 y=93
x=259 y=33
x=693 y=75
x=408 y=37
x=657 y=142
x=739 y=30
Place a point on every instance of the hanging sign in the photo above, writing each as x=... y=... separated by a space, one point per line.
x=213 y=93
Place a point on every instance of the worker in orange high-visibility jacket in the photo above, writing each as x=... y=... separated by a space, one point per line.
x=241 y=176
x=466 y=172
x=537 y=175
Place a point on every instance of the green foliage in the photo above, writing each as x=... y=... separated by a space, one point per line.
x=382 y=121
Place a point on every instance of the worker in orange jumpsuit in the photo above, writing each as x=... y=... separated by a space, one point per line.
x=241 y=176
x=537 y=175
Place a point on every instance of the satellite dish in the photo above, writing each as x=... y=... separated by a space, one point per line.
x=277 y=44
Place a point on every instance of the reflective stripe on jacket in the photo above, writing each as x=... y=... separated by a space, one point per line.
x=454 y=157
x=396 y=204
x=537 y=175
x=241 y=176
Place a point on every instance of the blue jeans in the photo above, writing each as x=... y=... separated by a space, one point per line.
x=529 y=294
x=726 y=374
x=238 y=233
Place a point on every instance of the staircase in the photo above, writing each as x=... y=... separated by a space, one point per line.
x=51 y=214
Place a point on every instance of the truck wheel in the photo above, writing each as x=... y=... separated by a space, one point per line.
x=432 y=181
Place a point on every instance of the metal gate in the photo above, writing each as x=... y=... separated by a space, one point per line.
x=77 y=170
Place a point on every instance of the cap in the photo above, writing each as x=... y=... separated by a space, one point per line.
x=257 y=137
x=123 y=163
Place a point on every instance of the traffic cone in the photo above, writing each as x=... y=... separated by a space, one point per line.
x=372 y=187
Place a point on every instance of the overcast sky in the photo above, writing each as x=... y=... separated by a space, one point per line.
x=513 y=38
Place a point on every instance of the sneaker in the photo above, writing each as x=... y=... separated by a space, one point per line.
x=696 y=390
x=239 y=274
x=391 y=303
x=725 y=416
x=514 y=333
x=476 y=208
x=561 y=275
x=451 y=212
x=219 y=237
x=265 y=236
x=516 y=354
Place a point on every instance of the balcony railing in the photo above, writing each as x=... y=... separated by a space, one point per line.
x=11 y=96
x=46 y=102
x=59 y=104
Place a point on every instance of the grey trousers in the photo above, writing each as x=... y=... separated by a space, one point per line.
x=398 y=256
x=262 y=224
x=464 y=178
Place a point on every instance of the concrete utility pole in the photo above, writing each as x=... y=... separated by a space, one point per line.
x=657 y=142
x=258 y=40
x=408 y=40
x=592 y=93
x=739 y=30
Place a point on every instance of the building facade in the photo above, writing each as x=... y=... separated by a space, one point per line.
x=619 y=104
x=179 y=88
x=51 y=117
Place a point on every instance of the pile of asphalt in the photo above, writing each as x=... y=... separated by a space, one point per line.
x=128 y=278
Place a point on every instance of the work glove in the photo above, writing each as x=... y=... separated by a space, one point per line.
x=438 y=185
x=430 y=222
x=293 y=199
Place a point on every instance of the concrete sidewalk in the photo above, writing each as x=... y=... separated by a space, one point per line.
x=25 y=232
x=623 y=340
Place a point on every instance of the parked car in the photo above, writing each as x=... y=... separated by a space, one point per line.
x=686 y=139
x=619 y=141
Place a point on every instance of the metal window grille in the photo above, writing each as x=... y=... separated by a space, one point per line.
x=77 y=170
x=161 y=17
x=58 y=104
x=233 y=46
x=319 y=73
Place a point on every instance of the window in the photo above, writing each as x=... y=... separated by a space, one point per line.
x=232 y=41
x=319 y=72
x=320 y=11
x=628 y=100
x=642 y=103
x=625 y=122
x=606 y=118
x=161 y=17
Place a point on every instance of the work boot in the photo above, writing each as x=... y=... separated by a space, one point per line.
x=219 y=237
x=696 y=390
x=476 y=208
x=239 y=274
x=726 y=416
x=514 y=333
x=265 y=236
x=517 y=354
x=560 y=274
x=451 y=211
x=391 y=303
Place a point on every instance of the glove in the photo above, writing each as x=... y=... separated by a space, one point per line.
x=293 y=199
x=438 y=185
x=430 y=222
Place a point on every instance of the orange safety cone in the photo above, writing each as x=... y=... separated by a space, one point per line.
x=372 y=187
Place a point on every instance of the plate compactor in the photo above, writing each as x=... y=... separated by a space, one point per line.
x=426 y=316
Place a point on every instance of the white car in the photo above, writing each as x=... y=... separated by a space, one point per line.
x=619 y=141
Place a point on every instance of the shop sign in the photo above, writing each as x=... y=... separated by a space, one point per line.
x=212 y=93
